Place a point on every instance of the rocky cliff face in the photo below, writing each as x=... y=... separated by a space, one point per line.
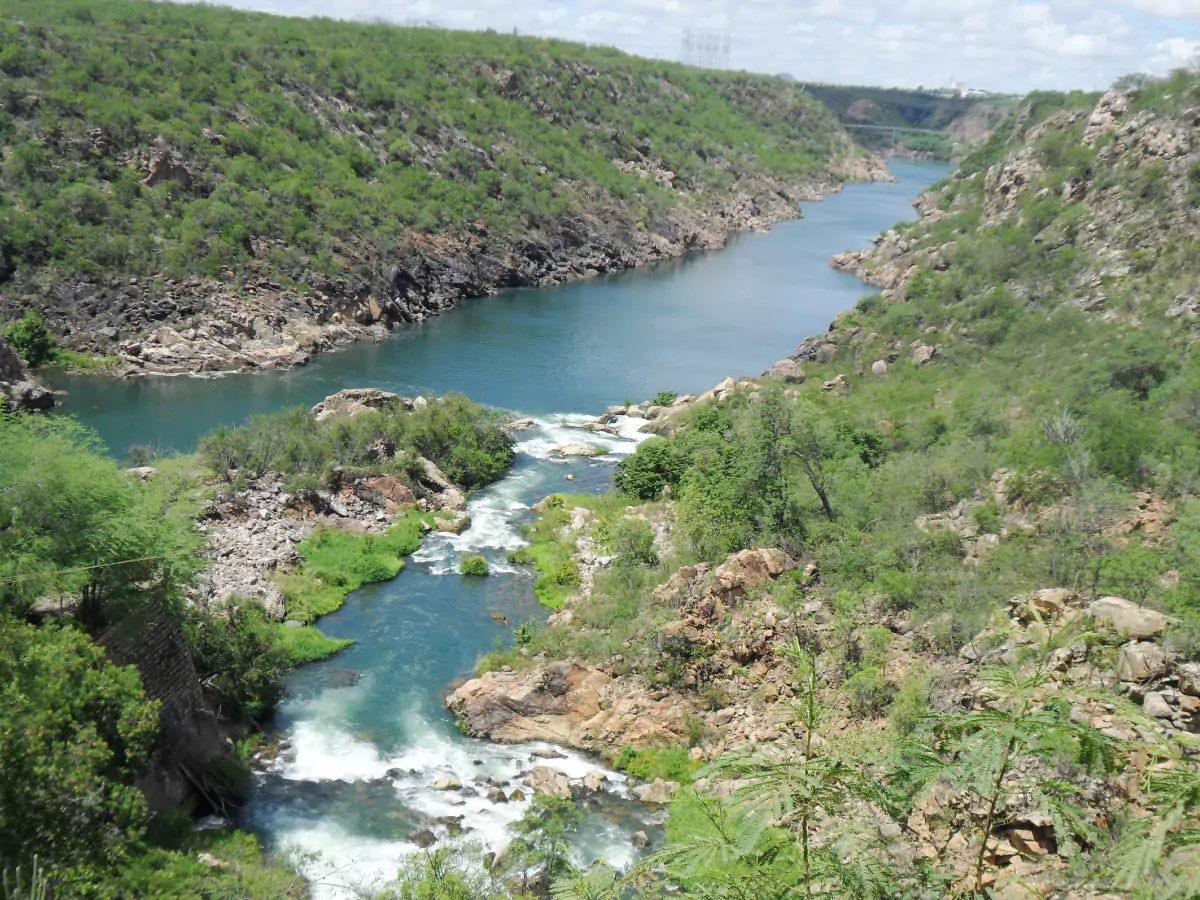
x=1115 y=185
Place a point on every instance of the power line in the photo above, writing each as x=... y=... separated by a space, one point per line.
x=29 y=576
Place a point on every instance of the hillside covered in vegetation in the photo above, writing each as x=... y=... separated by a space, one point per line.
x=917 y=123
x=264 y=185
x=917 y=613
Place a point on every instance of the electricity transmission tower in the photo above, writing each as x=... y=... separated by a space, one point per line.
x=706 y=49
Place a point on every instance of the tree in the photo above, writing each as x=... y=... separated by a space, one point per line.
x=31 y=338
x=75 y=732
x=540 y=842
x=73 y=524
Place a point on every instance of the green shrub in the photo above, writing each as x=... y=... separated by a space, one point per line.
x=664 y=398
x=520 y=557
x=651 y=468
x=869 y=693
x=31 y=338
x=631 y=541
x=475 y=565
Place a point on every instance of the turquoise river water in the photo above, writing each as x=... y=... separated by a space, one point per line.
x=366 y=733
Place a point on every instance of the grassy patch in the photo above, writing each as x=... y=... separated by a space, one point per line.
x=339 y=562
x=667 y=763
x=307 y=644
x=69 y=359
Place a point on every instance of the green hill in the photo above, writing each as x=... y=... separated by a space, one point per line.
x=339 y=160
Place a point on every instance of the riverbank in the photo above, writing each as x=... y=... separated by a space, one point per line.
x=264 y=327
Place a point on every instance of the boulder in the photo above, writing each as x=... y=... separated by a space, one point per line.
x=594 y=780
x=1141 y=662
x=658 y=791
x=922 y=354
x=841 y=382
x=1048 y=603
x=549 y=782
x=1127 y=619
x=142 y=472
x=880 y=367
x=447 y=784
x=454 y=523
x=789 y=370
x=353 y=402
x=516 y=796
x=640 y=840
x=635 y=412
x=565 y=450
x=1155 y=705
x=423 y=838
x=1189 y=678
x=420 y=403
x=390 y=490
x=570 y=704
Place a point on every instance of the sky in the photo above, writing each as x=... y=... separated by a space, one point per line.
x=997 y=45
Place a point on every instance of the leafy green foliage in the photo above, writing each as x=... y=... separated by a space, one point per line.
x=31 y=338
x=312 y=146
x=236 y=651
x=337 y=563
x=475 y=565
x=540 y=836
x=73 y=524
x=649 y=763
x=75 y=733
x=466 y=441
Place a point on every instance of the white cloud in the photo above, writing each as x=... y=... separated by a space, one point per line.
x=1008 y=45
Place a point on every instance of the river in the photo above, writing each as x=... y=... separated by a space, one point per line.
x=366 y=731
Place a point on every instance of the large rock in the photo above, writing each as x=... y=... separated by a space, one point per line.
x=549 y=782
x=17 y=392
x=658 y=791
x=571 y=704
x=576 y=450
x=1127 y=619
x=353 y=402
x=390 y=490
x=449 y=495
x=789 y=370
x=1141 y=662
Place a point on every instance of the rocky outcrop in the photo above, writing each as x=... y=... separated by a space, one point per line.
x=1117 y=225
x=570 y=704
x=17 y=392
x=353 y=402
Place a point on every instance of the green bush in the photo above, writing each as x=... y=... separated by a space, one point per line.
x=664 y=398
x=631 y=541
x=475 y=565
x=31 y=338
x=651 y=468
x=468 y=442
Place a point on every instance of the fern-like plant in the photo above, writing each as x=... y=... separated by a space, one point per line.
x=981 y=750
x=1159 y=855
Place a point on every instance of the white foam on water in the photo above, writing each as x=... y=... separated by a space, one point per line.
x=494 y=512
x=324 y=750
x=554 y=431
